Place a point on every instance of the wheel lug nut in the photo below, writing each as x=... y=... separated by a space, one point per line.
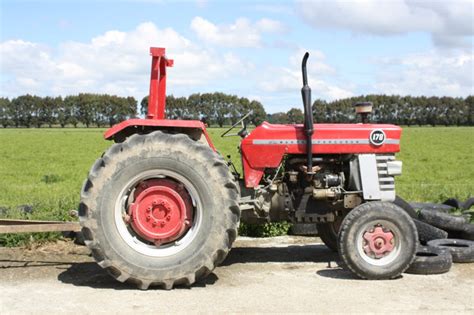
x=168 y=218
x=127 y=218
x=162 y=224
x=148 y=218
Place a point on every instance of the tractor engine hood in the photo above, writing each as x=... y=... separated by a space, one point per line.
x=267 y=144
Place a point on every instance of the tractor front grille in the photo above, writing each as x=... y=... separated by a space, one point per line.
x=386 y=181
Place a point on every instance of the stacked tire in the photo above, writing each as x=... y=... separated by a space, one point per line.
x=444 y=238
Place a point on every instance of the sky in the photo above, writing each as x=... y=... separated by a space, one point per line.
x=246 y=48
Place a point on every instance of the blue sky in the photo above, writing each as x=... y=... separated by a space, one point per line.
x=248 y=48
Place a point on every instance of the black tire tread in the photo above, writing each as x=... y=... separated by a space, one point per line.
x=453 y=202
x=354 y=215
x=399 y=201
x=443 y=221
x=441 y=262
x=225 y=186
x=466 y=205
x=427 y=232
x=468 y=232
x=326 y=234
x=431 y=206
x=460 y=254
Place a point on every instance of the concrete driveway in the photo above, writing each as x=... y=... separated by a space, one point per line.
x=282 y=274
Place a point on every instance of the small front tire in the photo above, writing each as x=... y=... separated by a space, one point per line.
x=377 y=240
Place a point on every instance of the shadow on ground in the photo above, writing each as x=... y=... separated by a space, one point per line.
x=91 y=275
x=288 y=254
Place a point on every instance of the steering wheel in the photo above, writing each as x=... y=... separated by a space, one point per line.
x=242 y=132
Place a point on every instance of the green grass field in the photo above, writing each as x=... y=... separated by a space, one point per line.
x=45 y=168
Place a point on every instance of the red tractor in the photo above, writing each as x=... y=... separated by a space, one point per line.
x=162 y=206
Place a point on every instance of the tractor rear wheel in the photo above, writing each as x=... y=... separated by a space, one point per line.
x=159 y=209
x=377 y=240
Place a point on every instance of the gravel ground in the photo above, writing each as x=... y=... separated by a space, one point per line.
x=282 y=274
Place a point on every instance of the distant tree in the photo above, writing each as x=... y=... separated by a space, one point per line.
x=144 y=106
x=68 y=111
x=259 y=113
x=278 y=118
x=320 y=111
x=85 y=109
x=130 y=109
x=24 y=110
x=469 y=101
x=48 y=110
x=5 y=112
x=295 y=116
x=199 y=109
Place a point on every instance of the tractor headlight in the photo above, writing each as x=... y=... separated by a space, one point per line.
x=394 y=168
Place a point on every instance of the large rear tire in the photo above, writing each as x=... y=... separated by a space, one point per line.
x=377 y=240
x=159 y=209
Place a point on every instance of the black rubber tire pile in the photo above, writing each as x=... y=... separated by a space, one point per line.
x=444 y=238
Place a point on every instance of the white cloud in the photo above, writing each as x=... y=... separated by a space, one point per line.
x=289 y=79
x=114 y=62
x=430 y=73
x=273 y=7
x=270 y=26
x=449 y=22
x=242 y=33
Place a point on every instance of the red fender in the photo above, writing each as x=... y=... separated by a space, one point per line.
x=195 y=128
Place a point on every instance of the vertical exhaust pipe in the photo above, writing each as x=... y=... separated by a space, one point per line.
x=308 y=116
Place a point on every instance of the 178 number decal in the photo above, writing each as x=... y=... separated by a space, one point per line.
x=377 y=137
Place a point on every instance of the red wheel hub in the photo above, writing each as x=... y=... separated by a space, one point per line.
x=161 y=211
x=378 y=242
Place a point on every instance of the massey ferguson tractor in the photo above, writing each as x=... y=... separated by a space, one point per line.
x=161 y=207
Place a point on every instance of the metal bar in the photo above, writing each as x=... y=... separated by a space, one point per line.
x=157 y=97
x=161 y=104
x=30 y=226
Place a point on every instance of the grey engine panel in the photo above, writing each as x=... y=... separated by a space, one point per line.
x=377 y=184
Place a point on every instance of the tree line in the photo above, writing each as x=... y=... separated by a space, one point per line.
x=212 y=108
x=219 y=109
x=85 y=109
x=400 y=110
x=105 y=110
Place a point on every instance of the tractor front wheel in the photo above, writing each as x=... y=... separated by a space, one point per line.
x=159 y=209
x=377 y=240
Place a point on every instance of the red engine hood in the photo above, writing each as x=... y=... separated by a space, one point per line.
x=267 y=144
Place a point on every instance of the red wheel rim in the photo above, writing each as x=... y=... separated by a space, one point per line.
x=378 y=242
x=161 y=211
